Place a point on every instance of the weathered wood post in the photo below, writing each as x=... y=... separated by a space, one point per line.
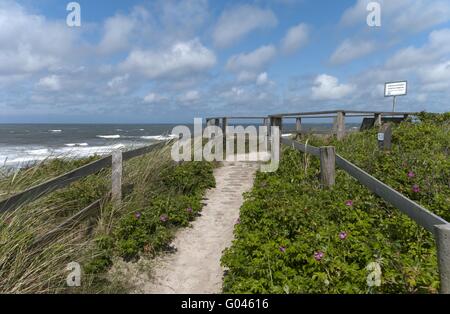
x=442 y=233
x=224 y=133
x=298 y=125
x=340 y=125
x=276 y=122
x=327 y=165
x=116 y=179
x=385 y=137
x=378 y=118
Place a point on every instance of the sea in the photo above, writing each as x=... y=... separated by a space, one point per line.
x=22 y=145
x=25 y=144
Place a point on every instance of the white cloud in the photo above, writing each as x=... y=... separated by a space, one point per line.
x=181 y=59
x=401 y=15
x=190 y=96
x=119 y=84
x=235 y=23
x=117 y=31
x=435 y=77
x=51 y=83
x=153 y=98
x=438 y=46
x=251 y=62
x=350 y=50
x=327 y=87
x=30 y=43
x=295 y=38
x=262 y=79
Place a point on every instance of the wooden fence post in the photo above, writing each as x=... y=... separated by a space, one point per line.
x=116 y=179
x=442 y=233
x=276 y=122
x=385 y=137
x=298 y=125
x=340 y=125
x=327 y=165
x=378 y=118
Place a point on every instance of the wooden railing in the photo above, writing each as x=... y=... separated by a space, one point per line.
x=376 y=118
x=115 y=161
x=66 y=179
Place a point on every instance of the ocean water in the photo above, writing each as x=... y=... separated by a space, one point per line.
x=23 y=144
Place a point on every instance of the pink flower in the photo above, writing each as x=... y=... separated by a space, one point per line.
x=411 y=174
x=415 y=188
x=163 y=218
x=318 y=256
x=343 y=235
x=282 y=249
x=137 y=215
x=189 y=210
x=349 y=203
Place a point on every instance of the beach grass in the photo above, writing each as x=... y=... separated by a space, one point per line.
x=160 y=196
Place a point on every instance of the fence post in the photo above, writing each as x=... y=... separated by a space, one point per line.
x=327 y=165
x=116 y=179
x=385 y=137
x=378 y=118
x=276 y=121
x=340 y=125
x=443 y=253
x=298 y=125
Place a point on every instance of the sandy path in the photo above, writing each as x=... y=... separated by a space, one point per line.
x=195 y=266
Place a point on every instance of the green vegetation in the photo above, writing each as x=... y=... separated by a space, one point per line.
x=159 y=197
x=294 y=237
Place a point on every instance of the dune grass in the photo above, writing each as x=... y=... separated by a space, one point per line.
x=159 y=197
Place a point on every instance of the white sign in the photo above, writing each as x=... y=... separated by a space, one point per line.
x=395 y=88
x=381 y=137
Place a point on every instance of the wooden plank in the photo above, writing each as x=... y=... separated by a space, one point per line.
x=419 y=214
x=143 y=150
x=51 y=185
x=66 y=179
x=69 y=223
x=302 y=147
x=303 y=114
x=327 y=166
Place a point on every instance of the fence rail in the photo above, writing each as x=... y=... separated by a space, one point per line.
x=66 y=179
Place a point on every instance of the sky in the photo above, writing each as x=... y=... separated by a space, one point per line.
x=167 y=61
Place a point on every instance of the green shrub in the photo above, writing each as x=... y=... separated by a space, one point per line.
x=287 y=220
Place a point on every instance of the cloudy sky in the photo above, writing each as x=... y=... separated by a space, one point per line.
x=171 y=61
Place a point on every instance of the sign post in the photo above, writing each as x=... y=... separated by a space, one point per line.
x=394 y=89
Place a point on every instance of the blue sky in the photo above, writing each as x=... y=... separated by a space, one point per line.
x=171 y=61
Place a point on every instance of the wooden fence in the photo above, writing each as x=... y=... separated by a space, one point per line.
x=115 y=161
x=375 y=118
x=438 y=226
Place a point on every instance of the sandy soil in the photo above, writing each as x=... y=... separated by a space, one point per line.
x=195 y=266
